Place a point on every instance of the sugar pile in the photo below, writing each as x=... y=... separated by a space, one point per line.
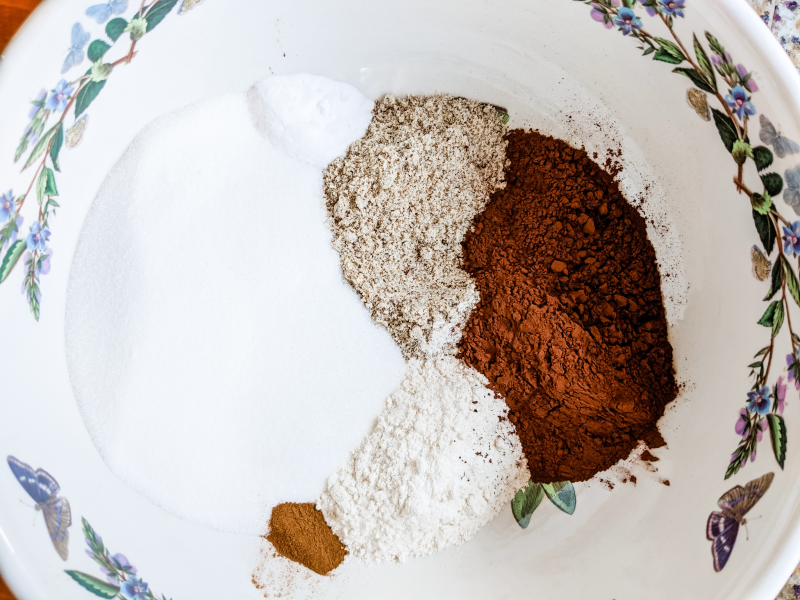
x=401 y=201
x=440 y=463
x=220 y=363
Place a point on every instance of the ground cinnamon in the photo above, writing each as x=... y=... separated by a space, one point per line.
x=571 y=327
x=299 y=532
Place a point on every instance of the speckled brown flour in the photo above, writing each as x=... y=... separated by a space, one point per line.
x=400 y=203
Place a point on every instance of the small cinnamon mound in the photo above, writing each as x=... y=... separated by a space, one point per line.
x=299 y=532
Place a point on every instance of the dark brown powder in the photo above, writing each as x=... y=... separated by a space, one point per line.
x=299 y=532
x=571 y=327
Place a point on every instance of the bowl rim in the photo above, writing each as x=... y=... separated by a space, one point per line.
x=781 y=559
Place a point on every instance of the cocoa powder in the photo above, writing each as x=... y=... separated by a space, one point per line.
x=571 y=327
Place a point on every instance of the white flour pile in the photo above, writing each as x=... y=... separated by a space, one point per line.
x=220 y=363
x=401 y=201
x=440 y=463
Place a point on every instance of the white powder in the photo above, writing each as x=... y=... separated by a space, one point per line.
x=219 y=361
x=401 y=201
x=311 y=118
x=439 y=464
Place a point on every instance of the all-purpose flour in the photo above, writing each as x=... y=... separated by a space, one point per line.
x=440 y=463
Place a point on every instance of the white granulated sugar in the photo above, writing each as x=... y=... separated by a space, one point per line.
x=220 y=362
x=439 y=464
x=401 y=201
x=311 y=118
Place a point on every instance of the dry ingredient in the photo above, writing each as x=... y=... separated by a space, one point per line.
x=400 y=203
x=441 y=462
x=206 y=318
x=571 y=327
x=299 y=532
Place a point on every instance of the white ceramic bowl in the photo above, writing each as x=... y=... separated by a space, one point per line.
x=546 y=60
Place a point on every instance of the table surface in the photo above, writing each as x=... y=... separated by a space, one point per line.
x=14 y=12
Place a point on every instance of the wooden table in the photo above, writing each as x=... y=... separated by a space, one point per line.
x=12 y=14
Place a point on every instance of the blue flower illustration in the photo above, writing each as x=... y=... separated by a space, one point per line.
x=742 y=421
x=650 y=9
x=34 y=107
x=749 y=84
x=627 y=20
x=59 y=97
x=43 y=268
x=791 y=238
x=759 y=401
x=739 y=102
x=134 y=589
x=780 y=395
x=7 y=206
x=716 y=60
x=672 y=7
x=37 y=238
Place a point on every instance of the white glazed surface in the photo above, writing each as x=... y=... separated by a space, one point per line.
x=544 y=60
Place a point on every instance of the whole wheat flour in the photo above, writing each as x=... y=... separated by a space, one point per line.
x=400 y=202
x=441 y=462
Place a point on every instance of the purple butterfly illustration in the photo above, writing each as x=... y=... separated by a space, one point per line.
x=723 y=527
x=43 y=488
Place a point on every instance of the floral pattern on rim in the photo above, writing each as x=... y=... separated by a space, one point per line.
x=46 y=144
x=122 y=578
x=713 y=75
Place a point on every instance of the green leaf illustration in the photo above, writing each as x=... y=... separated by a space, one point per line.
x=777 y=319
x=100 y=71
x=741 y=151
x=97 y=586
x=50 y=189
x=58 y=141
x=666 y=57
x=115 y=28
x=40 y=146
x=156 y=14
x=137 y=28
x=668 y=49
x=725 y=127
x=773 y=183
x=87 y=95
x=10 y=259
x=777 y=280
x=791 y=280
x=23 y=145
x=769 y=315
x=765 y=231
x=762 y=157
x=761 y=203
x=714 y=44
x=525 y=502
x=41 y=184
x=736 y=463
x=777 y=432
x=96 y=50
x=696 y=78
x=705 y=64
x=562 y=494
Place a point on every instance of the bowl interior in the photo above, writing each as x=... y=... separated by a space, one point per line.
x=556 y=70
